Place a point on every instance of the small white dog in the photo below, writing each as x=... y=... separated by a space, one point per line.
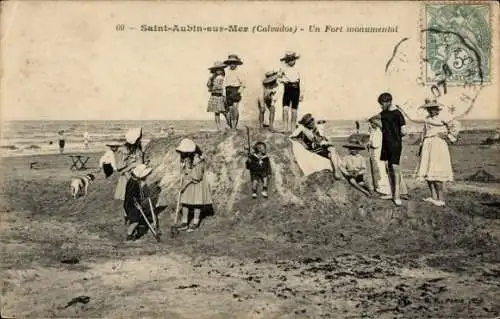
x=79 y=184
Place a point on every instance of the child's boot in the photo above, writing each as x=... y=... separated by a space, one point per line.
x=264 y=192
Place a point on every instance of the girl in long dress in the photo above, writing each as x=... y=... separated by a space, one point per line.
x=195 y=190
x=435 y=161
x=128 y=157
x=381 y=179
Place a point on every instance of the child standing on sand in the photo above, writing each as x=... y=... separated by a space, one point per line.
x=293 y=92
x=195 y=190
x=379 y=170
x=62 y=142
x=393 y=130
x=215 y=84
x=267 y=99
x=435 y=162
x=135 y=195
x=259 y=165
x=108 y=162
x=234 y=86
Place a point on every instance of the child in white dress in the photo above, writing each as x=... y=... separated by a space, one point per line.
x=435 y=161
x=379 y=170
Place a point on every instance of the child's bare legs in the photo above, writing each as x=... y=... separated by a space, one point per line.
x=217 y=121
x=294 y=119
x=196 y=218
x=235 y=115
x=271 y=118
x=262 y=112
x=439 y=191
x=255 y=184
x=359 y=187
x=227 y=115
x=432 y=189
x=185 y=216
x=335 y=161
x=285 y=117
x=395 y=179
x=264 y=186
x=131 y=229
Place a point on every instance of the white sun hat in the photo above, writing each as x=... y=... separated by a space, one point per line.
x=133 y=135
x=141 y=171
x=186 y=146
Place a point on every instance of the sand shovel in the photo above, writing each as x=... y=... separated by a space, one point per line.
x=147 y=222
x=155 y=220
x=178 y=206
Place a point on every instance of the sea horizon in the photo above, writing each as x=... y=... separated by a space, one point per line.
x=33 y=137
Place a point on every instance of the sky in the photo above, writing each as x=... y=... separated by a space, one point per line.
x=67 y=61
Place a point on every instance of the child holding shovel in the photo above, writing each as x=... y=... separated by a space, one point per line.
x=134 y=197
x=195 y=190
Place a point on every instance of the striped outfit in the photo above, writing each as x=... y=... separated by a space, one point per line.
x=216 y=102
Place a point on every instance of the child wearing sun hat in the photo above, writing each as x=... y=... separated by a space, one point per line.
x=135 y=195
x=267 y=98
x=234 y=87
x=435 y=160
x=354 y=167
x=215 y=84
x=195 y=189
x=293 y=90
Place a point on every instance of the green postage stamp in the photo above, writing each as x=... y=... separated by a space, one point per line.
x=458 y=43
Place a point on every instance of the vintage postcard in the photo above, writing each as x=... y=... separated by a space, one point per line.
x=250 y=159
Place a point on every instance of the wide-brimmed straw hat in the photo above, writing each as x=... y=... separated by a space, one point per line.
x=353 y=146
x=186 y=146
x=377 y=119
x=233 y=59
x=133 y=135
x=218 y=65
x=431 y=103
x=141 y=171
x=290 y=55
x=270 y=77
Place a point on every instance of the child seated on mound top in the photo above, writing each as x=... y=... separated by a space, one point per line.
x=259 y=165
x=354 y=168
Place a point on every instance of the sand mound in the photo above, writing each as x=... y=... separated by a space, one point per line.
x=312 y=210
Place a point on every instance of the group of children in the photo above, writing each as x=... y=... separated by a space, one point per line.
x=385 y=147
x=386 y=144
x=226 y=86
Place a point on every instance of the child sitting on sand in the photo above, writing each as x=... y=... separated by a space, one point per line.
x=134 y=197
x=260 y=168
x=354 y=168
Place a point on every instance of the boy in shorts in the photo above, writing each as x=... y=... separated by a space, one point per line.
x=234 y=86
x=393 y=130
x=292 y=94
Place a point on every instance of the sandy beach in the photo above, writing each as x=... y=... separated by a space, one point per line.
x=314 y=249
